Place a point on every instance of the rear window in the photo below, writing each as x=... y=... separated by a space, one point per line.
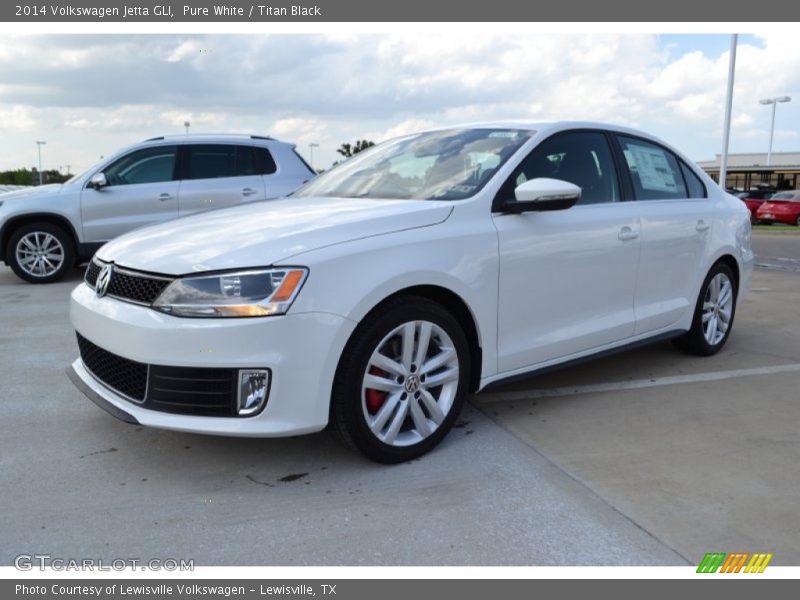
x=212 y=161
x=654 y=170
x=786 y=196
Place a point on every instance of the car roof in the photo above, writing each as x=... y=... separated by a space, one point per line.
x=213 y=137
x=548 y=127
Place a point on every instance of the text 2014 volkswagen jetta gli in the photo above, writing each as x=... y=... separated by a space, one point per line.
x=428 y=267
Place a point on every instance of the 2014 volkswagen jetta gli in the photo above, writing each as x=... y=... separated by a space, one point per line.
x=434 y=265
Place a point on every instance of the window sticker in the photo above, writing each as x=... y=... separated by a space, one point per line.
x=652 y=167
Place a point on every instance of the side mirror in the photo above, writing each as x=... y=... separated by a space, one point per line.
x=98 y=181
x=543 y=194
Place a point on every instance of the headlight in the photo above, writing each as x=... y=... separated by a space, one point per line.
x=254 y=293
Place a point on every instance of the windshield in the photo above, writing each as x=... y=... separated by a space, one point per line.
x=436 y=165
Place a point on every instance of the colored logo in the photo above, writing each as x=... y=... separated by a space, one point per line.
x=736 y=562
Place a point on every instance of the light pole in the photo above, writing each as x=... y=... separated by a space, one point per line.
x=186 y=125
x=311 y=155
x=774 y=102
x=39 y=145
x=726 y=131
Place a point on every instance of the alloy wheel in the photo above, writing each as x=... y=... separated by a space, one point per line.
x=39 y=254
x=717 y=308
x=410 y=383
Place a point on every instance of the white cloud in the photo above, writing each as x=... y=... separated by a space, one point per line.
x=91 y=94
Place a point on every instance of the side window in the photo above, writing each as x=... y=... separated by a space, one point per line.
x=654 y=170
x=245 y=161
x=149 y=165
x=693 y=182
x=210 y=161
x=265 y=164
x=581 y=158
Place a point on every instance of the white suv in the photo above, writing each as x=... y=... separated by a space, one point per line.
x=47 y=230
x=425 y=268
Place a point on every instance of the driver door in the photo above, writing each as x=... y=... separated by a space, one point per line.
x=567 y=277
x=142 y=190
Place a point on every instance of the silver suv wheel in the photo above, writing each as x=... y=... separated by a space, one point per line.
x=39 y=254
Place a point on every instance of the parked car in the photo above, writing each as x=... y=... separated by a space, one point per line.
x=754 y=199
x=783 y=207
x=45 y=231
x=427 y=267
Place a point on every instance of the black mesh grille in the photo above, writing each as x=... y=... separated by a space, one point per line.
x=127 y=285
x=184 y=390
x=92 y=271
x=127 y=377
x=138 y=288
x=193 y=390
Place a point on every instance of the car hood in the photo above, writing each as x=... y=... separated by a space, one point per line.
x=31 y=192
x=264 y=233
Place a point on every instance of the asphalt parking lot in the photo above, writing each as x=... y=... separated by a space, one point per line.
x=649 y=457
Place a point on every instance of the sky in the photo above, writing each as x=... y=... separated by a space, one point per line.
x=89 y=95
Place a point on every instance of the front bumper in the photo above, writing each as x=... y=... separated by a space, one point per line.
x=301 y=350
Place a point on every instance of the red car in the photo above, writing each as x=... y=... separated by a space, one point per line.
x=783 y=207
x=753 y=200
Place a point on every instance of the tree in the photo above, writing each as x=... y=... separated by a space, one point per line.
x=31 y=177
x=348 y=150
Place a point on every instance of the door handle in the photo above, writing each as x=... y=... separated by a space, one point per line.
x=626 y=234
x=248 y=192
x=702 y=226
x=164 y=197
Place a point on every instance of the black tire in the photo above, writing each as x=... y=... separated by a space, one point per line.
x=694 y=341
x=348 y=420
x=797 y=221
x=64 y=239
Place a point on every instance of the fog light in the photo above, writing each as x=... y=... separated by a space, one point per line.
x=253 y=390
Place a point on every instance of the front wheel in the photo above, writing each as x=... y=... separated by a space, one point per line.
x=40 y=252
x=713 y=315
x=401 y=380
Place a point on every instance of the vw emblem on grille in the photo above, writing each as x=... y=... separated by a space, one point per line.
x=103 y=279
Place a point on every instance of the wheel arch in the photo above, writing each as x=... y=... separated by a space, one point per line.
x=18 y=221
x=457 y=307
x=732 y=263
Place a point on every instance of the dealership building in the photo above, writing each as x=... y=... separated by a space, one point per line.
x=749 y=170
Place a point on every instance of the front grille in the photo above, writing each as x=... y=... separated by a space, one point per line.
x=127 y=377
x=182 y=390
x=92 y=271
x=136 y=288
x=131 y=286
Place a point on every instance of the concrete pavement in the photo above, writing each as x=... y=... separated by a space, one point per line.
x=652 y=475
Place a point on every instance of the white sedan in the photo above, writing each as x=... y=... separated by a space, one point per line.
x=428 y=267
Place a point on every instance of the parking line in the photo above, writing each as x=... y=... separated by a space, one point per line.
x=635 y=384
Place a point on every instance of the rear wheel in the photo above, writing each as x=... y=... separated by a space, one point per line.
x=713 y=315
x=401 y=381
x=40 y=252
x=797 y=221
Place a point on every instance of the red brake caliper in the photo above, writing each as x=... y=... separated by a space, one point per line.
x=375 y=398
